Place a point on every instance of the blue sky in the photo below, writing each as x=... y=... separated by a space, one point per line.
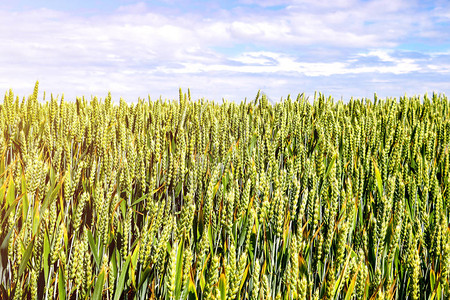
x=225 y=49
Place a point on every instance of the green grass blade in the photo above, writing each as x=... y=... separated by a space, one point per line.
x=179 y=270
x=26 y=258
x=121 y=283
x=98 y=290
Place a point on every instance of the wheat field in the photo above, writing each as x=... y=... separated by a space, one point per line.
x=192 y=199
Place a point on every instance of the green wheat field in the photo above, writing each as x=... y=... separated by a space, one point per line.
x=194 y=199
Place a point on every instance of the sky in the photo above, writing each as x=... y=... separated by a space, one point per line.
x=226 y=49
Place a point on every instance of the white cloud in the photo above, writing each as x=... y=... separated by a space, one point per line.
x=277 y=63
x=383 y=55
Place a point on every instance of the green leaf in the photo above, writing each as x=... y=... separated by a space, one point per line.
x=192 y=290
x=26 y=257
x=133 y=265
x=144 y=275
x=51 y=196
x=46 y=255
x=52 y=175
x=6 y=240
x=98 y=290
x=139 y=200
x=36 y=221
x=93 y=247
x=10 y=209
x=253 y=142
x=378 y=177
x=243 y=234
x=179 y=274
x=121 y=284
x=123 y=207
x=432 y=279
x=178 y=188
x=349 y=293
x=330 y=165
x=225 y=180
x=409 y=209
x=337 y=286
x=244 y=276
x=438 y=292
x=203 y=272
x=2 y=196
x=25 y=206
x=222 y=286
x=61 y=283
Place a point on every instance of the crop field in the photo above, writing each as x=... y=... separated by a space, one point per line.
x=193 y=199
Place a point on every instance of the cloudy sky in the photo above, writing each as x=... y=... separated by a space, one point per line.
x=225 y=49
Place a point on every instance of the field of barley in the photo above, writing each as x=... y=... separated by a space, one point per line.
x=193 y=199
